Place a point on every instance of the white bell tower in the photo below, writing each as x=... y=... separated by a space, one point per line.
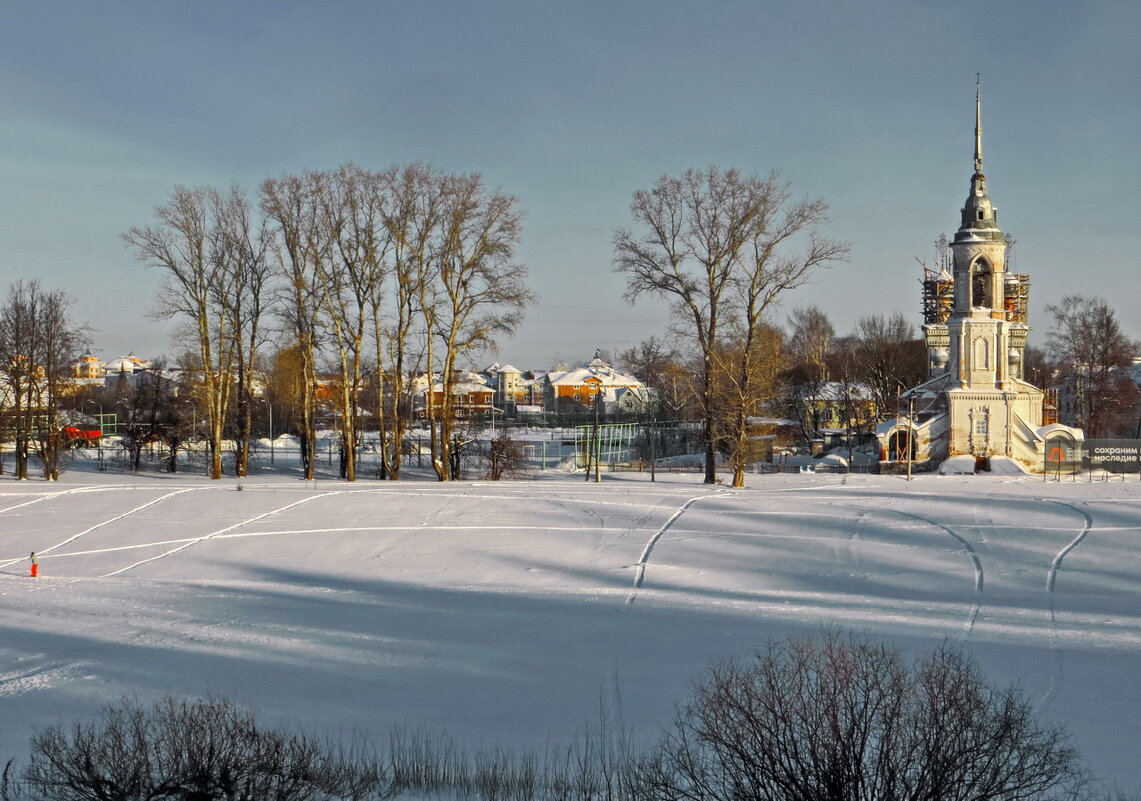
x=975 y=400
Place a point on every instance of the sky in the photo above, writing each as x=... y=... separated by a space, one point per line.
x=571 y=107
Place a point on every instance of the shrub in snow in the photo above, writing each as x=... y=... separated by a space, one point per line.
x=191 y=751
x=844 y=719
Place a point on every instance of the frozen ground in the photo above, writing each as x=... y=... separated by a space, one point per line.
x=515 y=611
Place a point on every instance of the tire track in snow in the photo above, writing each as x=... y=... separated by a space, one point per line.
x=106 y=522
x=49 y=495
x=220 y=531
x=979 y=576
x=37 y=678
x=1051 y=577
x=641 y=572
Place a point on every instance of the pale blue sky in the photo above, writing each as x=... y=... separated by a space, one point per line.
x=106 y=106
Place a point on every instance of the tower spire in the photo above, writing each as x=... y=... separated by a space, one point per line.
x=978 y=213
x=978 y=124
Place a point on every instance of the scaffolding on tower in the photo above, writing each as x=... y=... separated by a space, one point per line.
x=1016 y=294
x=938 y=285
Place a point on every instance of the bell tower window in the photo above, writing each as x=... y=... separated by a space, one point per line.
x=980 y=284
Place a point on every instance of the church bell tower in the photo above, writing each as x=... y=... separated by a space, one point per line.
x=986 y=329
x=975 y=400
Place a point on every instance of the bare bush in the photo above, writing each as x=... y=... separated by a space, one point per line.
x=845 y=719
x=189 y=751
x=506 y=457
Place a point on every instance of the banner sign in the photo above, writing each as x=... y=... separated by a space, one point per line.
x=1063 y=455
x=1112 y=455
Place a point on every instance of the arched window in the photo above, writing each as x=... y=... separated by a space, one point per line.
x=980 y=284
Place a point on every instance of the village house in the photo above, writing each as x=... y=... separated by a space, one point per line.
x=578 y=389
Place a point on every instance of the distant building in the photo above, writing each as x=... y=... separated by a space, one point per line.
x=975 y=401
x=576 y=389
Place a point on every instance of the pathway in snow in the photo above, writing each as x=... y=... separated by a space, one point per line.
x=1051 y=576
x=219 y=532
x=974 y=613
x=640 y=576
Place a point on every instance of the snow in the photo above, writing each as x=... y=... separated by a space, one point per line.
x=515 y=612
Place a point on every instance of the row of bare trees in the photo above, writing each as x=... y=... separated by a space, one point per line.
x=378 y=274
x=792 y=369
x=38 y=341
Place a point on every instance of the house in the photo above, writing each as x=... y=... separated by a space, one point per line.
x=471 y=396
x=831 y=405
x=577 y=389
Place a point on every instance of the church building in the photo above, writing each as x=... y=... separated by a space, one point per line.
x=975 y=400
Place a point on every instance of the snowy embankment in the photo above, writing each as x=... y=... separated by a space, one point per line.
x=518 y=611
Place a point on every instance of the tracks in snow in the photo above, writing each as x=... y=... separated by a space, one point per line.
x=640 y=575
x=106 y=522
x=217 y=533
x=1051 y=577
x=980 y=577
x=47 y=496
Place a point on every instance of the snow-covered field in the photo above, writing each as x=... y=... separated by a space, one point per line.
x=516 y=611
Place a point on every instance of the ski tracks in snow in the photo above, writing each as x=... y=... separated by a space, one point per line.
x=219 y=532
x=640 y=575
x=1051 y=577
x=972 y=616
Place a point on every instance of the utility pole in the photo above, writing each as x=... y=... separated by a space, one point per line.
x=910 y=434
x=597 y=436
x=653 y=444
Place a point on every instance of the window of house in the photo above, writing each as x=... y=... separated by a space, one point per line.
x=981 y=427
x=578 y=396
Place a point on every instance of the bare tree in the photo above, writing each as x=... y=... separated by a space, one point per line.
x=198 y=288
x=713 y=245
x=889 y=358
x=38 y=341
x=292 y=204
x=807 y=349
x=412 y=207
x=766 y=273
x=846 y=719
x=663 y=369
x=240 y=244
x=506 y=456
x=1090 y=349
x=810 y=338
x=478 y=290
x=748 y=379
x=351 y=296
